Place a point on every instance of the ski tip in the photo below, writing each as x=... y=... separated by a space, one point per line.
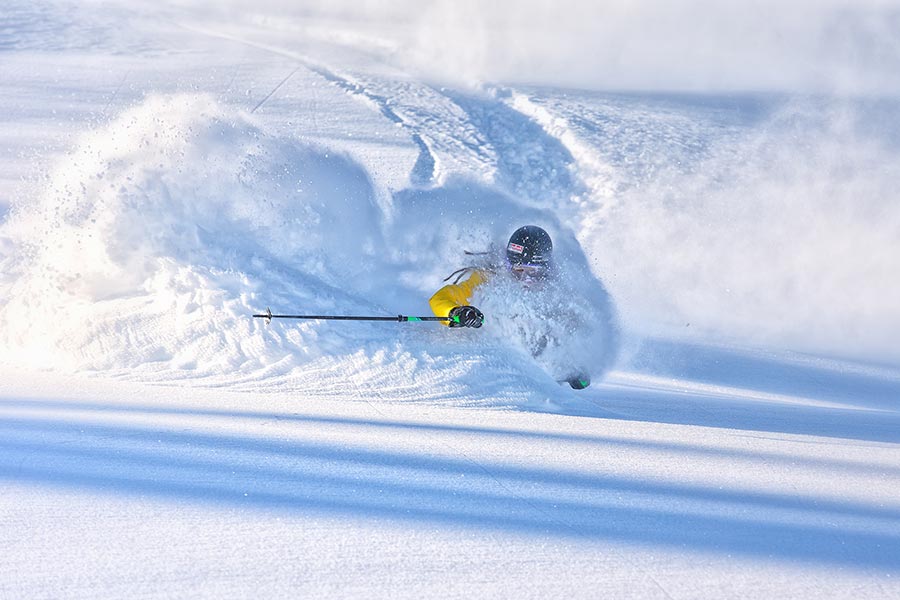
x=576 y=383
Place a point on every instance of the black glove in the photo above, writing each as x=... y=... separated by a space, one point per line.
x=579 y=382
x=466 y=316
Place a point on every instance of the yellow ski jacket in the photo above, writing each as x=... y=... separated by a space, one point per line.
x=456 y=294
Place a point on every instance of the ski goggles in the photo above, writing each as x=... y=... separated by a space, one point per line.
x=529 y=270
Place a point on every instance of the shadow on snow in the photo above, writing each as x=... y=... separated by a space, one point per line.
x=751 y=391
x=81 y=447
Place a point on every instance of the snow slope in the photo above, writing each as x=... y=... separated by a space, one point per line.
x=171 y=169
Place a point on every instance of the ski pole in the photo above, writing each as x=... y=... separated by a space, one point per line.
x=268 y=316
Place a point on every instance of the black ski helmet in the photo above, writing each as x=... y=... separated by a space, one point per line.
x=529 y=245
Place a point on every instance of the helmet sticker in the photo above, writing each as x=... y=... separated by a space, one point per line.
x=513 y=247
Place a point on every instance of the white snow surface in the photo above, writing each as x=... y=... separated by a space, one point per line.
x=726 y=273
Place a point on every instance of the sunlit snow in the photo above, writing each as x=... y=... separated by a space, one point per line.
x=726 y=227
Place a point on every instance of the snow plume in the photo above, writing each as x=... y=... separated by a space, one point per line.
x=566 y=331
x=139 y=249
x=160 y=235
x=790 y=237
x=688 y=45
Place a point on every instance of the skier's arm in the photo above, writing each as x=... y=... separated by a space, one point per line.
x=450 y=296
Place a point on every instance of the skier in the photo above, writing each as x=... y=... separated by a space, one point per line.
x=529 y=255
